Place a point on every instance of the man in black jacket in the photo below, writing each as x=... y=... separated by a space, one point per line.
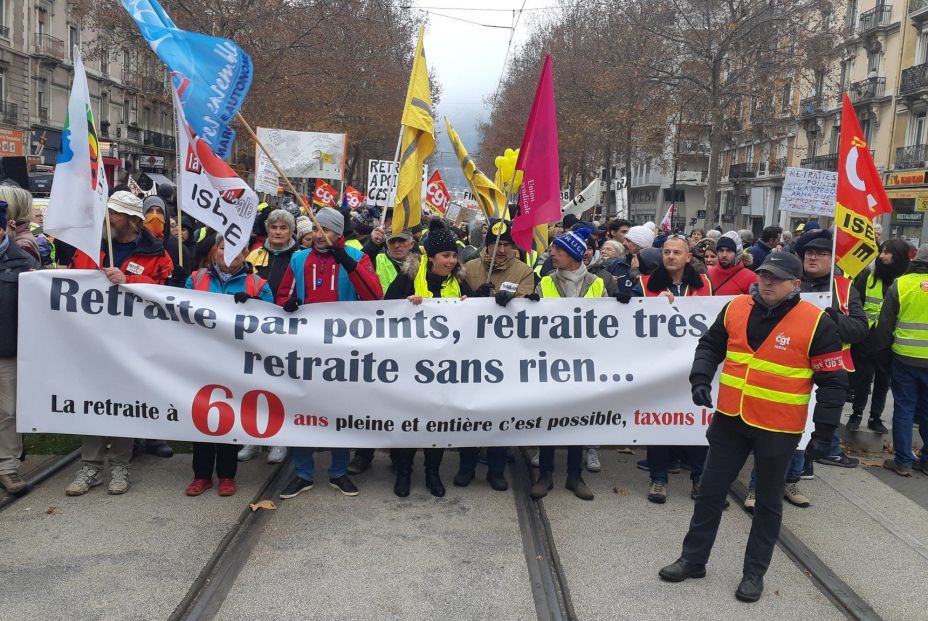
x=13 y=262
x=751 y=334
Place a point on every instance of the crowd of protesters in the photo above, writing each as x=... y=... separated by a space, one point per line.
x=352 y=258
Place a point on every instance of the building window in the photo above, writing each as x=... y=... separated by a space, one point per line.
x=865 y=127
x=873 y=62
x=125 y=110
x=3 y=22
x=851 y=14
x=74 y=39
x=921 y=48
x=105 y=63
x=813 y=143
x=835 y=139
x=917 y=128
x=41 y=17
x=104 y=108
x=41 y=97
x=787 y=95
x=125 y=65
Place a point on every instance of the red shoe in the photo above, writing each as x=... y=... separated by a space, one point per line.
x=226 y=487
x=198 y=487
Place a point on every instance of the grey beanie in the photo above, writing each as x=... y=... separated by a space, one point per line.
x=331 y=219
x=922 y=253
x=153 y=201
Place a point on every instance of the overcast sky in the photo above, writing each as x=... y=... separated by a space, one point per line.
x=468 y=60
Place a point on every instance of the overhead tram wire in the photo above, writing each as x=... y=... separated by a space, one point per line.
x=516 y=16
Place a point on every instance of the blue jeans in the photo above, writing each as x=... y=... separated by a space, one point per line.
x=910 y=397
x=793 y=471
x=305 y=466
x=835 y=445
x=496 y=459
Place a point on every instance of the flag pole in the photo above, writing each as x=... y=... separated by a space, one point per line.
x=396 y=165
x=512 y=183
x=177 y=191
x=258 y=142
x=109 y=238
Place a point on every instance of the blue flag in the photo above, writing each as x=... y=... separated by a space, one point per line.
x=211 y=75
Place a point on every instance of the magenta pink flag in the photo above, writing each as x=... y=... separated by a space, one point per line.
x=540 y=193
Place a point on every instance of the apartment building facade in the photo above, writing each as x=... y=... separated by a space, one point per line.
x=129 y=95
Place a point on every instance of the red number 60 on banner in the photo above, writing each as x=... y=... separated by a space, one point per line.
x=203 y=405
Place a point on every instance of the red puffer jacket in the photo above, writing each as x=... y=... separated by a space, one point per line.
x=734 y=280
x=149 y=263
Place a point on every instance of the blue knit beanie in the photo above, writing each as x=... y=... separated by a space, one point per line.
x=574 y=243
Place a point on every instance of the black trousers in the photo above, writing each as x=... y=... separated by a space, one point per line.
x=731 y=440
x=403 y=458
x=867 y=372
x=208 y=454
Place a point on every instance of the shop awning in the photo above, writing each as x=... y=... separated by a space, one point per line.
x=158 y=179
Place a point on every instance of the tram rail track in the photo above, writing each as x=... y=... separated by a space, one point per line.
x=39 y=475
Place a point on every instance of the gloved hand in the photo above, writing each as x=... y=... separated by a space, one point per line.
x=820 y=444
x=292 y=304
x=179 y=274
x=241 y=297
x=503 y=297
x=834 y=313
x=484 y=291
x=623 y=297
x=702 y=395
x=342 y=257
x=534 y=297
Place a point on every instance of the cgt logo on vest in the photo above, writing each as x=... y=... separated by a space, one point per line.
x=782 y=342
x=923 y=285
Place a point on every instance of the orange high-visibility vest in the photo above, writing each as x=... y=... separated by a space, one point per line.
x=769 y=388
x=689 y=291
x=253 y=282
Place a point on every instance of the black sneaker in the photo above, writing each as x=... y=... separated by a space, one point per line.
x=875 y=424
x=841 y=460
x=344 y=485
x=359 y=463
x=463 y=478
x=853 y=423
x=296 y=486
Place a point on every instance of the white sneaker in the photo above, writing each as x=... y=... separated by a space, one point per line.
x=535 y=458
x=88 y=476
x=750 y=500
x=249 y=451
x=119 y=480
x=276 y=455
x=592 y=460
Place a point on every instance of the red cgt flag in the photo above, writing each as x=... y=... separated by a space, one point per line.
x=860 y=197
x=437 y=196
x=353 y=198
x=324 y=195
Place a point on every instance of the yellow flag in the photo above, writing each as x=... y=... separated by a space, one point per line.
x=417 y=144
x=540 y=238
x=491 y=198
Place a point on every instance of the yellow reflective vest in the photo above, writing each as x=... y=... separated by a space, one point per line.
x=549 y=289
x=873 y=299
x=451 y=288
x=911 y=333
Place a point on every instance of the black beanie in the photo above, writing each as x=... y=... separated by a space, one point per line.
x=439 y=239
x=502 y=227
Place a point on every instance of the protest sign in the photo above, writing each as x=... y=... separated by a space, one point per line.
x=357 y=374
x=381 y=179
x=299 y=154
x=808 y=191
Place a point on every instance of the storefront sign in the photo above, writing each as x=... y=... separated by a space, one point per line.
x=914 y=177
x=11 y=142
x=908 y=219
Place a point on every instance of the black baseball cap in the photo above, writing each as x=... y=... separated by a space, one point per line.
x=782 y=265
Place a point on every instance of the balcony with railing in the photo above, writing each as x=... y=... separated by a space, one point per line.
x=912 y=156
x=43 y=113
x=5 y=32
x=914 y=79
x=49 y=47
x=777 y=167
x=9 y=112
x=692 y=147
x=918 y=10
x=865 y=90
x=744 y=170
x=158 y=140
x=874 y=18
x=810 y=106
x=829 y=161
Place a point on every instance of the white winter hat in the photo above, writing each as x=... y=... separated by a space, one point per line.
x=735 y=236
x=651 y=227
x=641 y=236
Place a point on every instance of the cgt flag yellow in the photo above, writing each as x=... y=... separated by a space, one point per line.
x=418 y=142
x=491 y=198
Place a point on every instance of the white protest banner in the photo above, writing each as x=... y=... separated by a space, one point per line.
x=304 y=155
x=381 y=179
x=621 y=198
x=808 y=191
x=356 y=374
x=587 y=199
x=266 y=178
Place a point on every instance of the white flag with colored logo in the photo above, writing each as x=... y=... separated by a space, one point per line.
x=77 y=203
x=583 y=201
x=210 y=191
